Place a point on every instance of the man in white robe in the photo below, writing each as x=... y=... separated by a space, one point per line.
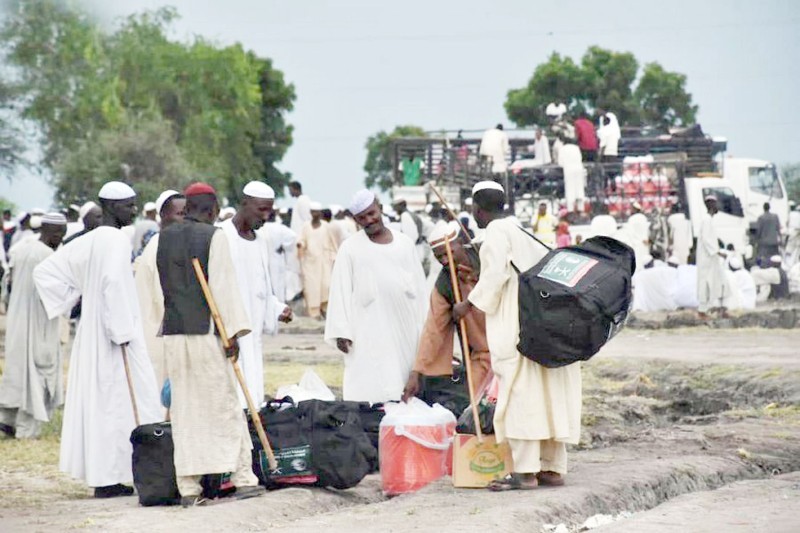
x=98 y=415
x=282 y=241
x=316 y=248
x=654 y=288
x=570 y=160
x=31 y=386
x=250 y=252
x=495 y=147
x=680 y=236
x=170 y=207
x=742 y=288
x=377 y=306
x=538 y=409
x=710 y=262
x=541 y=148
x=301 y=213
x=209 y=429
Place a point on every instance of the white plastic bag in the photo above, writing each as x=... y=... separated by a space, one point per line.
x=311 y=387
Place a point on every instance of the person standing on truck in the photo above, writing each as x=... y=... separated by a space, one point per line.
x=768 y=234
x=710 y=272
x=586 y=137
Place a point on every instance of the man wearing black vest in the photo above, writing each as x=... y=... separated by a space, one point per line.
x=208 y=426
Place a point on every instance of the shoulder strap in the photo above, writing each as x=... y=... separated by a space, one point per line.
x=532 y=236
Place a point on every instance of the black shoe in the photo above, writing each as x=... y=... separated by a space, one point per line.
x=9 y=431
x=112 y=491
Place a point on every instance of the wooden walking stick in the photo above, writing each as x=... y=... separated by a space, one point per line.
x=130 y=383
x=464 y=340
x=212 y=305
x=447 y=207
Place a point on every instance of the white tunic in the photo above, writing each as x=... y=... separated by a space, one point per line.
x=654 y=289
x=710 y=275
x=251 y=261
x=282 y=242
x=533 y=402
x=377 y=300
x=680 y=232
x=98 y=416
x=32 y=380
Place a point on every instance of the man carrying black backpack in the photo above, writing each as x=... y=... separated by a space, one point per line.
x=538 y=408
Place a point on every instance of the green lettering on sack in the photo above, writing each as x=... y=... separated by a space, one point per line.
x=567 y=268
x=487 y=462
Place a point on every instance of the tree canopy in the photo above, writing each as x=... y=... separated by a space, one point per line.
x=378 y=165
x=607 y=80
x=133 y=104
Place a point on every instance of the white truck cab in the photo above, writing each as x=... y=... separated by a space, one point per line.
x=756 y=182
x=730 y=222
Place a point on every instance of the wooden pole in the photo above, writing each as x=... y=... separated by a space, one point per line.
x=212 y=305
x=464 y=341
x=130 y=384
x=455 y=217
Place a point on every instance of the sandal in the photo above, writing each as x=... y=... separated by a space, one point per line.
x=511 y=482
x=551 y=479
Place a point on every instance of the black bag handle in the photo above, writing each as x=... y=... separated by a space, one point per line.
x=535 y=238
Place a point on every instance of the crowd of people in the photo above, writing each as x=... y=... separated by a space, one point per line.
x=146 y=349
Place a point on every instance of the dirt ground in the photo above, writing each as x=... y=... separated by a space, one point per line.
x=691 y=429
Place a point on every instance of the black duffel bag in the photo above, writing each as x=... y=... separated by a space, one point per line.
x=574 y=300
x=153 y=465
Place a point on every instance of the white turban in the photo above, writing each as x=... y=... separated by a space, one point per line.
x=487 y=184
x=259 y=189
x=336 y=209
x=116 y=190
x=164 y=197
x=54 y=219
x=443 y=233
x=35 y=222
x=85 y=208
x=361 y=201
x=315 y=206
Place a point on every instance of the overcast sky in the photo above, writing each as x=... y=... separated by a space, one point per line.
x=363 y=66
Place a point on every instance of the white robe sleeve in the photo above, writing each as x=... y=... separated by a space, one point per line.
x=338 y=324
x=495 y=254
x=55 y=283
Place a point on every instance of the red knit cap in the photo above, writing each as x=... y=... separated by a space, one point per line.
x=198 y=188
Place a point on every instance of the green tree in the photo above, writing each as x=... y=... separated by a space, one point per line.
x=378 y=165
x=225 y=106
x=604 y=79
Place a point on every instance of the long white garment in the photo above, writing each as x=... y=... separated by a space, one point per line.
x=98 y=417
x=494 y=144
x=604 y=225
x=301 y=213
x=32 y=378
x=654 y=289
x=379 y=301
x=710 y=275
x=208 y=425
x=686 y=293
x=541 y=151
x=251 y=262
x=571 y=160
x=680 y=232
x=282 y=241
x=743 y=291
x=533 y=402
x=151 y=303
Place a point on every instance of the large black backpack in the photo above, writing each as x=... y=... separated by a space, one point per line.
x=574 y=300
x=153 y=467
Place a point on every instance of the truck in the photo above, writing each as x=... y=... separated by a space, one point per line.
x=661 y=170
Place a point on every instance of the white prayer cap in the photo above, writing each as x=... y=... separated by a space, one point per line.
x=37 y=211
x=774 y=259
x=75 y=207
x=54 y=219
x=21 y=216
x=35 y=222
x=735 y=263
x=468 y=201
x=336 y=209
x=487 y=184
x=710 y=197
x=636 y=205
x=116 y=190
x=361 y=201
x=85 y=208
x=163 y=198
x=443 y=233
x=149 y=206
x=398 y=200
x=315 y=206
x=259 y=189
